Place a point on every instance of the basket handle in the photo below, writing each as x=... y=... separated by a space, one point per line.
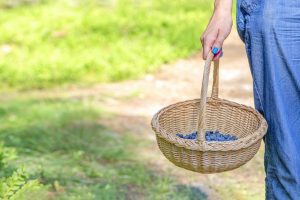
x=214 y=93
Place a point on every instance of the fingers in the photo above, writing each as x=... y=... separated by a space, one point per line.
x=218 y=43
x=212 y=42
x=217 y=46
x=207 y=41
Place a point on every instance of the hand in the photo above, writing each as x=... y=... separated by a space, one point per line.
x=216 y=32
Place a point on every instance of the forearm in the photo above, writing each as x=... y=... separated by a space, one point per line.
x=223 y=6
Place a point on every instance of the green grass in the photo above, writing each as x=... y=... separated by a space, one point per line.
x=62 y=143
x=58 y=42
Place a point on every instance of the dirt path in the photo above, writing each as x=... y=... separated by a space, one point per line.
x=175 y=82
x=140 y=99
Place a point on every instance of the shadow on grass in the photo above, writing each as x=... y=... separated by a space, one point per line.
x=63 y=143
x=192 y=192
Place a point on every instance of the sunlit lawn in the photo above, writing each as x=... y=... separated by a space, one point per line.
x=81 y=42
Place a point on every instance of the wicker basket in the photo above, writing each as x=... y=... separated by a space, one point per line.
x=209 y=114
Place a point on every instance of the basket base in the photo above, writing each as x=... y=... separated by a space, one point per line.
x=209 y=161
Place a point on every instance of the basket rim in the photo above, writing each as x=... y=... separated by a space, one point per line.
x=211 y=145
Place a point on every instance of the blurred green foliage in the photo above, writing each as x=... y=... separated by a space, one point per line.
x=50 y=43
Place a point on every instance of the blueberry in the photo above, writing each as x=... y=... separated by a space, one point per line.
x=213 y=137
x=218 y=136
x=209 y=136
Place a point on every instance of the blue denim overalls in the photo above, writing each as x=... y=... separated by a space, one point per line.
x=270 y=30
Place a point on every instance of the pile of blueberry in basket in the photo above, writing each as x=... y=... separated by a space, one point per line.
x=209 y=136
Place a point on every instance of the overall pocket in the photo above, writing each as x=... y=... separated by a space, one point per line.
x=244 y=9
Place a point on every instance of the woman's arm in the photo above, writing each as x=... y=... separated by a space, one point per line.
x=218 y=28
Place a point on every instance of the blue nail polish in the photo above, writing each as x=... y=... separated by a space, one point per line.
x=215 y=50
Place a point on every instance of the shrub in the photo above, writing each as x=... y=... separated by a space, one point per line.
x=16 y=184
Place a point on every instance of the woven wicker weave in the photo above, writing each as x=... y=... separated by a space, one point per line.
x=205 y=114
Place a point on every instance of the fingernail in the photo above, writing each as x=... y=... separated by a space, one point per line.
x=215 y=50
x=221 y=54
x=218 y=55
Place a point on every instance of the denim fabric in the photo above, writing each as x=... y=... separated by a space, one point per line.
x=270 y=30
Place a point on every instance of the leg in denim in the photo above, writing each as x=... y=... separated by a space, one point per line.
x=270 y=30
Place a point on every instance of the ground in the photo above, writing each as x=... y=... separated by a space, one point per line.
x=132 y=104
x=84 y=137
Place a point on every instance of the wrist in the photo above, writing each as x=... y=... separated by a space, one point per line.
x=220 y=13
